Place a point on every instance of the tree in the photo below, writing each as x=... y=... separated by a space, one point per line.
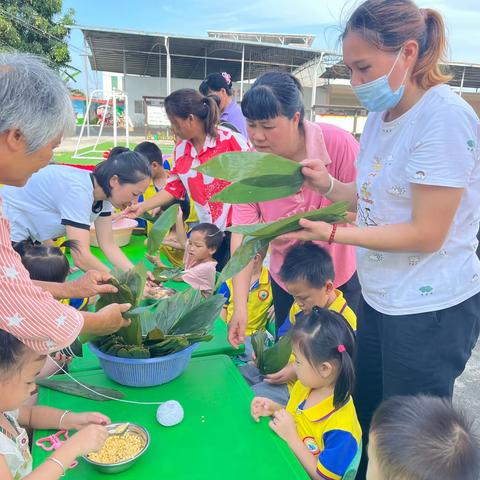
x=39 y=27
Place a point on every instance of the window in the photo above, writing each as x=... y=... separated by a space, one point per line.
x=138 y=106
x=114 y=82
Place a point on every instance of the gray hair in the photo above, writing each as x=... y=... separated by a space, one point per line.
x=33 y=99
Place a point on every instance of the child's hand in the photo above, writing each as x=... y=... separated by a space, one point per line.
x=283 y=425
x=76 y=421
x=89 y=439
x=262 y=407
x=284 y=375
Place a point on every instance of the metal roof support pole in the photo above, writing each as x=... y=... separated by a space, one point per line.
x=115 y=119
x=314 y=87
x=124 y=71
x=463 y=79
x=87 y=88
x=242 y=69
x=205 y=62
x=169 y=66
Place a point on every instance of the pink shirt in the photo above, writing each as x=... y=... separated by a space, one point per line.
x=200 y=276
x=28 y=312
x=338 y=150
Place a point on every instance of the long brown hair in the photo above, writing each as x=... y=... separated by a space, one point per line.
x=187 y=101
x=389 y=24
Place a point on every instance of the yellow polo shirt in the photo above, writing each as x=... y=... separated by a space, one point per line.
x=259 y=301
x=339 y=305
x=332 y=434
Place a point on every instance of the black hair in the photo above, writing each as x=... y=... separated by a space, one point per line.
x=12 y=352
x=117 y=150
x=129 y=167
x=215 y=82
x=308 y=262
x=230 y=126
x=424 y=438
x=274 y=94
x=213 y=235
x=324 y=336
x=187 y=101
x=46 y=264
x=150 y=151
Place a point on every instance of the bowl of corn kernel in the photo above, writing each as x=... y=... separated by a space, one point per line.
x=120 y=452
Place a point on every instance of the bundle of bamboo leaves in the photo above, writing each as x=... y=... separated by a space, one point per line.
x=160 y=327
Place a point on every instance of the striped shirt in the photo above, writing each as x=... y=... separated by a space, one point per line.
x=28 y=312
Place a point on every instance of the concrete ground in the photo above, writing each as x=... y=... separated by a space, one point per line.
x=467 y=388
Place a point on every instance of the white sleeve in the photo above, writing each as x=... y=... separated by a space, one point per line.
x=107 y=209
x=445 y=149
x=76 y=207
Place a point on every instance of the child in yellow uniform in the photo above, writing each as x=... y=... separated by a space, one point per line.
x=308 y=274
x=259 y=297
x=319 y=422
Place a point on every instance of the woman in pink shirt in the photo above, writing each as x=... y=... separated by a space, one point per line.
x=275 y=114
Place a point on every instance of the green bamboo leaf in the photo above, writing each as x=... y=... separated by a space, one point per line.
x=276 y=357
x=241 y=258
x=200 y=318
x=130 y=287
x=149 y=218
x=161 y=227
x=260 y=189
x=335 y=213
x=235 y=166
x=271 y=359
x=163 y=274
x=70 y=387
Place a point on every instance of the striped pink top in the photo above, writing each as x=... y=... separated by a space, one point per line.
x=28 y=312
x=338 y=150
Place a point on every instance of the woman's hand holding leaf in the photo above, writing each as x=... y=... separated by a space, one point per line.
x=311 y=231
x=316 y=175
x=109 y=319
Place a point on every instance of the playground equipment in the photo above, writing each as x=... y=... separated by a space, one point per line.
x=109 y=116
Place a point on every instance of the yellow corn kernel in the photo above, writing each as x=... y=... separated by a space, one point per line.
x=118 y=448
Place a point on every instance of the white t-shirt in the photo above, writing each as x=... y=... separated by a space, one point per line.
x=16 y=453
x=435 y=143
x=53 y=198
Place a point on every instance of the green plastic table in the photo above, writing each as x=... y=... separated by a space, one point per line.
x=217 y=439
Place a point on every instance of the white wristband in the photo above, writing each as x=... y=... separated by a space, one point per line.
x=330 y=188
x=59 y=463
x=64 y=414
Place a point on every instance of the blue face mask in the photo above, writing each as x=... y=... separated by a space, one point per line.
x=378 y=96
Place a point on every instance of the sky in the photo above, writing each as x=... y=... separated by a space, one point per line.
x=322 y=18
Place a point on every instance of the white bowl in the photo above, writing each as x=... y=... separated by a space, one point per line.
x=122 y=231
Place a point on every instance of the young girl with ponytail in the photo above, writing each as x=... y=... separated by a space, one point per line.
x=319 y=422
x=194 y=119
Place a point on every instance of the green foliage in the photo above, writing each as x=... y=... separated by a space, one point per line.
x=335 y=213
x=241 y=257
x=168 y=326
x=37 y=27
x=253 y=177
x=271 y=358
x=130 y=287
x=163 y=274
x=161 y=227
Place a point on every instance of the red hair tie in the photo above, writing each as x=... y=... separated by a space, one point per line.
x=341 y=348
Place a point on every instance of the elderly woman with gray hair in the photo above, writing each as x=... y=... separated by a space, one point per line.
x=35 y=112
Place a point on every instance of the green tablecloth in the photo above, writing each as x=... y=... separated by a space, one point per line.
x=216 y=440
